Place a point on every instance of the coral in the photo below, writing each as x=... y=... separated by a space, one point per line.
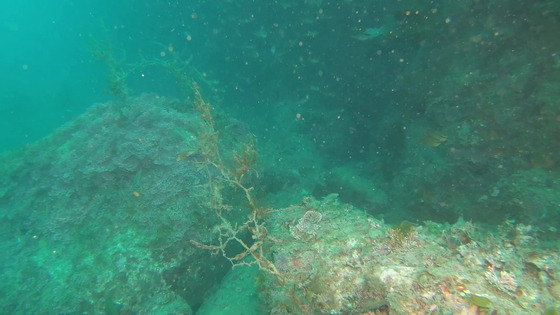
x=502 y=280
x=402 y=237
x=229 y=232
x=307 y=225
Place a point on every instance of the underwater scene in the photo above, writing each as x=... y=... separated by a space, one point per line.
x=280 y=157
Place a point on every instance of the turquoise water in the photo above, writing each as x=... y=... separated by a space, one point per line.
x=409 y=111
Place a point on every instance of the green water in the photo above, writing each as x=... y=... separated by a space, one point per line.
x=408 y=110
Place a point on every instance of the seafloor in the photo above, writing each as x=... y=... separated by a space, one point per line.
x=103 y=211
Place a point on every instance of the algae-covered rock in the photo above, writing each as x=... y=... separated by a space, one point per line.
x=352 y=266
x=97 y=216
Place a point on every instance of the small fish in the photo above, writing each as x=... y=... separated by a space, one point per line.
x=369 y=33
x=434 y=138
